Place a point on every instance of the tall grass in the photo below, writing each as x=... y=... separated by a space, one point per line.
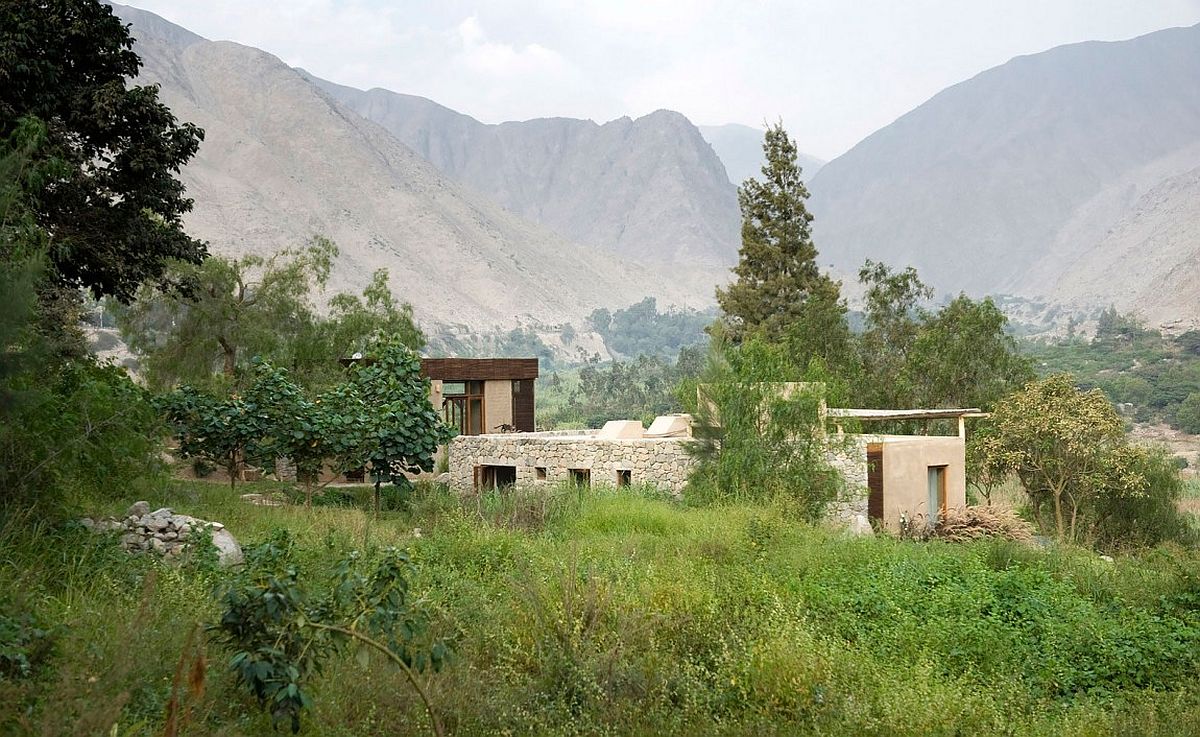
x=616 y=612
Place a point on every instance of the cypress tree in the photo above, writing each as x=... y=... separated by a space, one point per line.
x=777 y=273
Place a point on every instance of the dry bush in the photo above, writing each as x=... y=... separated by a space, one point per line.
x=964 y=524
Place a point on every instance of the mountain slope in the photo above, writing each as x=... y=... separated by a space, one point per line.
x=976 y=186
x=740 y=149
x=1152 y=253
x=651 y=188
x=281 y=162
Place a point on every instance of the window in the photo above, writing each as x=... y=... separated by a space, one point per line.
x=488 y=478
x=462 y=406
x=540 y=473
x=624 y=477
x=580 y=476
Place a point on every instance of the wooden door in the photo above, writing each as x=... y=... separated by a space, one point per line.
x=875 y=481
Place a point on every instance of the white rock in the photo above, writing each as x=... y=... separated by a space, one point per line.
x=229 y=553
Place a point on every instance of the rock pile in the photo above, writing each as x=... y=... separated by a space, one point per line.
x=166 y=533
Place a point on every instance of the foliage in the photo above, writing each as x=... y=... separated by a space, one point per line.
x=26 y=643
x=401 y=431
x=1187 y=417
x=821 y=332
x=1084 y=481
x=281 y=631
x=355 y=323
x=640 y=389
x=760 y=432
x=1150 y=373
x=237 y=309
x=81 y=427
x=962 y=357
x=379 y=419
x=617 y=613
x=641 y=330
x=226 y=311
x=777 y=271
x=116 y=211
x=892 y=324
x=219 y=430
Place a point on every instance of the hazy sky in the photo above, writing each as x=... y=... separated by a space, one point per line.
x=833 y=70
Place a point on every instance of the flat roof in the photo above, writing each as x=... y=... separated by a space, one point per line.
x=479 y=369
x=903 y=414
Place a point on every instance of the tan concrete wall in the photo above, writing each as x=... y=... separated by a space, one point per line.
x=435 y=395
x=906 y=462
x=497 y=404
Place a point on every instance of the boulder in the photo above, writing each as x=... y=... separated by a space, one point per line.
x=229 y=553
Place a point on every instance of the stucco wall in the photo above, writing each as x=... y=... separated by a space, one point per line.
x=497 y=404
x=906 y=462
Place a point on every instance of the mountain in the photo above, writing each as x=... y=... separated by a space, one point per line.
x=1037 y=177
x=740 y=149
x=281 y=161
x=650 y=188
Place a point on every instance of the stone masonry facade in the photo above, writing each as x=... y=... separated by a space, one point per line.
x=550 y=458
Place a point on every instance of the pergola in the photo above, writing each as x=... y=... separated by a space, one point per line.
x=839 y=414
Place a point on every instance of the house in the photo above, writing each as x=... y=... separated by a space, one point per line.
x=888 y=478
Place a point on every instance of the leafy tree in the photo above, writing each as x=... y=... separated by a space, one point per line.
x=892 y=324
x=821 y=332
x=282 y=629
x=777 y=272
x=1189 y=343
x=757 y=440
x=962 y=356
x=222 y=431
x=1188 y=415
x=115 y=213
x=231 y=310
x=641 y=329
x=1069 y=450
x=401 y=430
x=355 y=323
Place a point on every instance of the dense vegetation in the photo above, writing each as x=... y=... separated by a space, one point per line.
x=641 y=330
x=1154 y=377
x=619 y=613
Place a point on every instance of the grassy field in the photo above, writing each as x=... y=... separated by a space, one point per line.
x=622 y=613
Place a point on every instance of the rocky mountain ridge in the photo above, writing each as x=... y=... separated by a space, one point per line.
x=650 y=188
x=281 y=162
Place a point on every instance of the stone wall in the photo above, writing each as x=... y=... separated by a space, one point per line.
x=848 y=456
x=166 y=533
x=550 y=458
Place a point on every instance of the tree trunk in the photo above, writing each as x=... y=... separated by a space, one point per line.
x=229 y=352
x=1059 y=522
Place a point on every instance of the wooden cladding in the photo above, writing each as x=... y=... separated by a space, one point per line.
x=875 y=481
x=480 y=369
x=522 y=405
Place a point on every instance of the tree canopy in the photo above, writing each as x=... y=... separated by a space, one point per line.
x=777 y=271
x=113 y=214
